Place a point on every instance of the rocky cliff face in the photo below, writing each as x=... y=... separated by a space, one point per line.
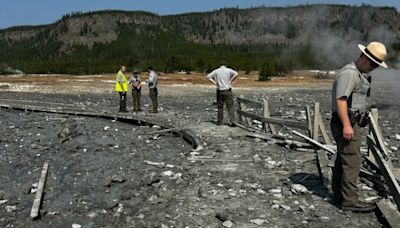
x=300 y=24
x=280 y=25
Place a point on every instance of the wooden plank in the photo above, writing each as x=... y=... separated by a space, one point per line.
x=314 y=142
x=295 y=143
x=243 y=100
x=324 y=170
x=323 y=130
x=259 y=136
x=277 y=121
x=240 y=107
x=370 y=156
x=378 y=138
x=389 y=213
x=310 y=127
x=246 y=127
x=316 y=122
x=267 y=115
x=390 y=179
x=163 y=131
x=218 y=160
x=39 y=193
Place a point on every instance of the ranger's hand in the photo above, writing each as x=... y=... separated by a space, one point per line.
x=348 y=133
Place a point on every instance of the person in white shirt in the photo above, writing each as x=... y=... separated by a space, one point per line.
x=152 y=82
x=222 y=79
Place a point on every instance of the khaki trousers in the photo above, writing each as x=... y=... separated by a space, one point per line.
x=347 y=164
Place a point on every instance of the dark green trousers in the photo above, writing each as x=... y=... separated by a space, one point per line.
x=347 y=164
x=225 y=97
x=154 y=99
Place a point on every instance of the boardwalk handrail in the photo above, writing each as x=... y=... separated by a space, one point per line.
x=277 y=121
x=248 y=101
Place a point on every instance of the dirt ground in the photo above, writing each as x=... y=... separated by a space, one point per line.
x=115 y=174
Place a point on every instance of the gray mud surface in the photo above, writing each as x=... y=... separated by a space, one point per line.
x=99 y=177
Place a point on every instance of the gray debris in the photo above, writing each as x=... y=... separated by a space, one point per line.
x=258 y=221
x=117 y=179
x=298 y=189
x=10 y=209
x=228 y=224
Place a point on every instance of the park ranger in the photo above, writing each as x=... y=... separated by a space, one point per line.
x=350 y=96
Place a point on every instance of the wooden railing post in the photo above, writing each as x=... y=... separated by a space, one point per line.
x=267 y=115
x=310 y=128
x=316 y=122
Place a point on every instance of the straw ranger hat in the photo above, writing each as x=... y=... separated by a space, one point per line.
x=376 y=52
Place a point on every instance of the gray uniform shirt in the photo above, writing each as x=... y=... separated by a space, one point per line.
x=347 y=81
x=222 y=76
x=134 y=81
x=153 y=80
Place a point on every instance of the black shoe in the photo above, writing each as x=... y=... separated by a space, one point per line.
x=360 y=207
x=219 y=123
x=153 y=111
x=232 y=125
x=336 y=200
x=123 y=110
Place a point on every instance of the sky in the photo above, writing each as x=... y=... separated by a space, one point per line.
x=38 y=12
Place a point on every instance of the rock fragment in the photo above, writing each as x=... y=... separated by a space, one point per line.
x=258 y=221
x=228 y=224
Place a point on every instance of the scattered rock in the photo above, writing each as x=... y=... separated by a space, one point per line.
x=111 y=204
x=228 y=224
x=76 y=225
x=258 y=221
x=167 y=173
x=298 y=189
x=158 y=164
x=117 y=179
x=92 y=215
x=10 y=209
x=222 y=216
x=257 y=158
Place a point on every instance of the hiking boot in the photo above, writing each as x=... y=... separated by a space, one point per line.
x=123 y=110
x=153 y=111
x=359 y=207
x=232 y=125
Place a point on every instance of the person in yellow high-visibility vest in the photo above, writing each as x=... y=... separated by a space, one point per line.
x=121 y=86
